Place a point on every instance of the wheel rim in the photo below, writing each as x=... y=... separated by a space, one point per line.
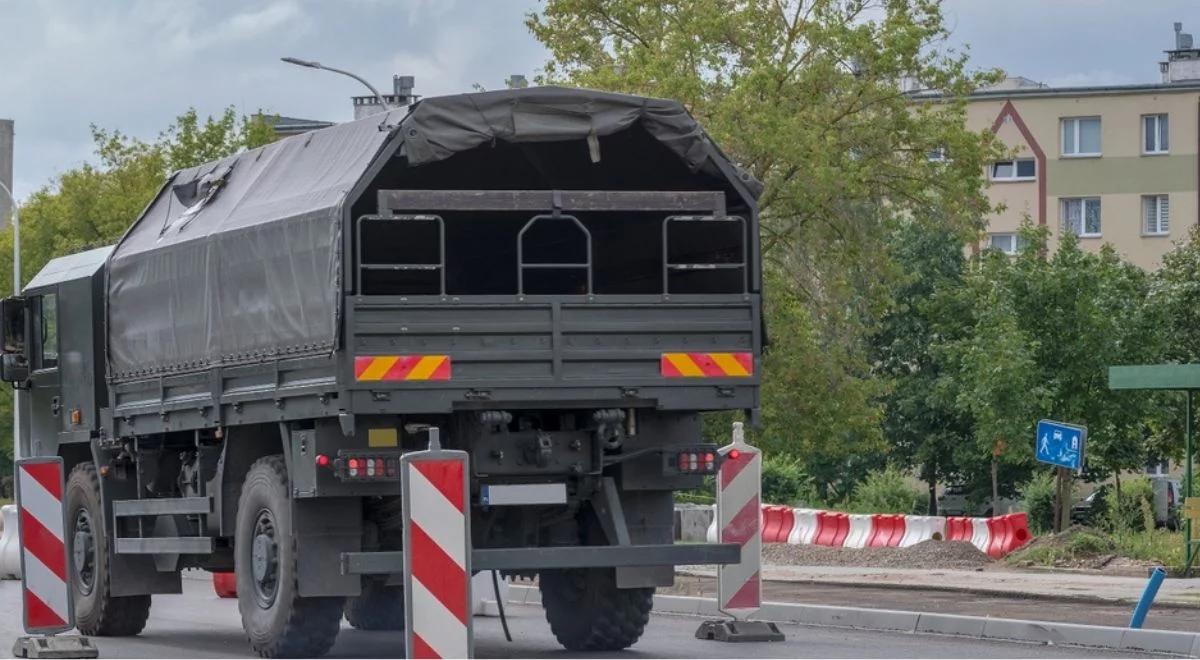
x=264 y=559
x=83 y=552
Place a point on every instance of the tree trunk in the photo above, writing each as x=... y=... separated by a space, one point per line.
x=931 y=479
x=995 y=486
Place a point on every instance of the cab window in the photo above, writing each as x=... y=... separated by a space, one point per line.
x=46 y=331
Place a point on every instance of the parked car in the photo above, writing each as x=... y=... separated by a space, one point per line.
x=954 y=502
x=1168 y=495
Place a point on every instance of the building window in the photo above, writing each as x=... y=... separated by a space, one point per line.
x=1008 y=243
x=1155 y=134
x=937 y=155
x=1081 y=136
x=1022 y=169
x=1081 y=216
x=1156 y=215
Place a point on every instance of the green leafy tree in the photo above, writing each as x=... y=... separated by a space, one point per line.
x=92 y=205
x=810 y=97
x=997 y=380
x=922 y=423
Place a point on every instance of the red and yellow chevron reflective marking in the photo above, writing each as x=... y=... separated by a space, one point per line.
x=401 y=367
x=707 y=365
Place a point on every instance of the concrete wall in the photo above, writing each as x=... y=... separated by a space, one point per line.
x=6 y=167
x=1119 y=176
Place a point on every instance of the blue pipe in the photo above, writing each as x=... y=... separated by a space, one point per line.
x=1143 y=606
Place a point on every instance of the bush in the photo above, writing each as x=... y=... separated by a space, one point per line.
x=1133 y=509
x=888 y=491
x=1037 y=497
x=784 y=481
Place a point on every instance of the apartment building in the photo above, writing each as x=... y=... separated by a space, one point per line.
x=1117 y=164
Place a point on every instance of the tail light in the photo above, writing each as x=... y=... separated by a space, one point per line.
x=697 y=460
x=365 y=467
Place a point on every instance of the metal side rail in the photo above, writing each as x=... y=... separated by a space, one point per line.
x=590 y=556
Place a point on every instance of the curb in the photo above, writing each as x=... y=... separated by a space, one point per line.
x=1010 y=630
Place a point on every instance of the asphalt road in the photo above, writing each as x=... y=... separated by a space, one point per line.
x=197 y=624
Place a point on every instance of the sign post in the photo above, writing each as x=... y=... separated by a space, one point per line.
x=739 y=520
x=1062 y=445
x=46 y=606
x=437 y=552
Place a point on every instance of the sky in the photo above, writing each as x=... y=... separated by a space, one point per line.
x=134 y=65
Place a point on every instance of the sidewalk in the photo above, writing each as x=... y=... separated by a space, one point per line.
x=1098 y=600
x=1056 y=585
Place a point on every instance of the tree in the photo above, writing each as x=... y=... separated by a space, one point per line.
x=922 y=422
x=809 y=96
x=998 y=382
x=92 y=205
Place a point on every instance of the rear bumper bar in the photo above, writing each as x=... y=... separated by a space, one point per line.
x=597 y=556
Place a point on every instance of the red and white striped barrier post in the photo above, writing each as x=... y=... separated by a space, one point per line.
x=740 y=521
x=437 y=552
x=46 y=606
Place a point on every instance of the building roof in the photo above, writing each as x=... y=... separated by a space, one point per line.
x=1090 y=90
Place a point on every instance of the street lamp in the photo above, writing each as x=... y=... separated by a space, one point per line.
x=317 y=65
x=16 y=220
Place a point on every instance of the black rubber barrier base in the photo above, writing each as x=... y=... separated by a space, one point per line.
x=55 y=646
x=739 y=631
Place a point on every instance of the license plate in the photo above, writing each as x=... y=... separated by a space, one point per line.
x=523 y=494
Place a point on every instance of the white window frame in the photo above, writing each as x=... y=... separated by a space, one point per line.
x=1162 y=215
x=1016 y=242
x=1083 y=204
x=936 y=155
x=1014 y=177
x=1159 y=149
x=1074 y=122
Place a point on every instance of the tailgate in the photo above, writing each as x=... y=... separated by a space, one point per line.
x=681 y=354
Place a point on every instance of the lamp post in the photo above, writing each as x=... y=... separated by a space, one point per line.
x=16 y=220
x=317 y=65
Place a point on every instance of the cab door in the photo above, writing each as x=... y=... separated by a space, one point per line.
x=45 y=397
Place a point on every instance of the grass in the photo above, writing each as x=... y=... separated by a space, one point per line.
x=1159 y=545
x=1078 y=547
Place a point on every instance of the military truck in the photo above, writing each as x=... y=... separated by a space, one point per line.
x=557 y=280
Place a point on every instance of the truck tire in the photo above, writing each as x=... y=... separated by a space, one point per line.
x=278 y=621
x=587 y=612
x=380 y=607
x=97 y=611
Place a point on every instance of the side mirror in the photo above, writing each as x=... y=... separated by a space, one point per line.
x=14 y=362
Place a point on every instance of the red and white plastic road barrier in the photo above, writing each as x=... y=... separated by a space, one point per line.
x=740 y=520
x=804 y=528
x=437 y=552
x=46 y=608
x=858 y=532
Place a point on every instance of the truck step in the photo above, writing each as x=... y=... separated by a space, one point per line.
x=183 y=545
x=162 y=507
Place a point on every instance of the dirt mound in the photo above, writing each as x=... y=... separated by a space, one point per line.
x=926 y=554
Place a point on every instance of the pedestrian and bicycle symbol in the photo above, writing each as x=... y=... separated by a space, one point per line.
x=1061 y=444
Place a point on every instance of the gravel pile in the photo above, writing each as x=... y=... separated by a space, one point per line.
x=926 y=554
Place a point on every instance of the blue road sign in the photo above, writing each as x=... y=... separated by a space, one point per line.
x=1060 y=444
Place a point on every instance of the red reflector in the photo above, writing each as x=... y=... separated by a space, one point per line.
x=709 y=458
x=682 y=462
x=322 y=460
x=353 y=464
x=735 y=454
